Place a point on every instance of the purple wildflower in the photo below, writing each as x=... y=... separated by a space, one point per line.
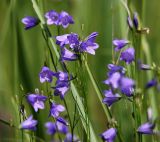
x=61 y=127
x=70 y=138
x=110 y=98
x=30 y=22
x=61 y=88
x=37 y=101
x=135 y=20
x=65 y=19
x=62 y=120
x=151 y=83
x=73 y=41
x=128 y=55
x=120 y=43
x=113 y=80
x=29 y=123
x=89 y=44
x=127 y=86
x=130 y=23
x=52 y=17
x=62 y=40
x=68 y=55
x=143 y=66
x=109 y=135
x=46 y=75
x=51 y=128
x=114 y=68
x=56 y=109
x=146 y=128
x=62 y=76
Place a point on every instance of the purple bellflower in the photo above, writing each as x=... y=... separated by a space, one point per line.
x=73 y=41
x=120 y=43
x=130 y=23
x=52 y=17
x=109 y=135
x=29 y=124
x=127 y=86
x=114 y=68
x=68 y=55
x=110 y=98
x=151 y=83
x=62 y=40
x=56 y=109
x=71 y=138
x=29 y=22
x=146 y=128
x=113 y=80
x=62 y=120
x=135 y=20
x=142 y=66
x=65 y=19
x=37 y=101
x=62 y=76
x=89 y=44
x=61 y=127
x=46 y=75
x=128 y=55
x=51 y=128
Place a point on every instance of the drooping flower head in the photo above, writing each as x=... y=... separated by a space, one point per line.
x=89 y=44
x=109 y=135
x=146 y=128
x=56 y=109
x=127 y=86
x=110 y=98
x=135 y=20
x=52 y=17
x=128 y=55
x=51 y=128
x=120 y=43
x=30 y=22
x=46 y=75
x=29 y=124
x=113 y=80
x=62 y=76
x=67 y=55
x=65 y=19
x=114 y=68
x=151 y=83
x=142 y=66
x=37 y=101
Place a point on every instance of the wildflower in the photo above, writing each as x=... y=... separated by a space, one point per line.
x=113 y=80
x=109 y=135
x=61 y=127
x=29 y=22
x=62 y=76
x=151 y=83
x=29 y=123
x=130 y=23
x=56 y=109
x=61 y=88
x=46 y=75
x=52 y=17
x=143 y=66
x=65 y=19
x=73 y=41
x=68 y=55
x=146 y=128
x=110 y=98
x=70 y=138
x=135 y=20
x=127 y=86
x=62 y=120
x=51 y=128
x=120 y=43
x=89 y=44
x=114 y=68
x=62 y=40
x=37 y=101
x=128 y=55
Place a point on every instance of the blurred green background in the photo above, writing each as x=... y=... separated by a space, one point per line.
x=22 y=53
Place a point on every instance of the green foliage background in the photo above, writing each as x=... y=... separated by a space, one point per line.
x=22 y=54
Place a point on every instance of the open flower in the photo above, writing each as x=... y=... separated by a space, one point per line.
x=52 y=17
x=56 y=109
x=146 y=128
x=29 y=123
x=37 y=101
x=62 y=40
x=120 y=43
x=128 y=55
x=46 y=75
x=110 y=98
x=109 y=135
x=30 y=22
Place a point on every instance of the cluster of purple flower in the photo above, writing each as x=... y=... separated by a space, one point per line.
x=37 y=102
x=76 y=46
x=52 y=17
